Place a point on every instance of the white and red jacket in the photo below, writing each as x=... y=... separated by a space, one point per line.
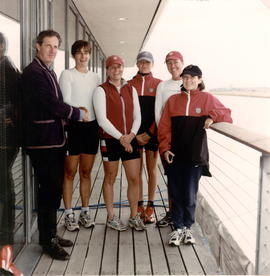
x=180 y=129
x=146 y=86
x=117 y=109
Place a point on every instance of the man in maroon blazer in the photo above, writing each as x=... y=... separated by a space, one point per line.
x=44 y=115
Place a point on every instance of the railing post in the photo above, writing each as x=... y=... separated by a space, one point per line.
x=262 y=266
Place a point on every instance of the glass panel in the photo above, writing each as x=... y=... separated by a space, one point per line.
x=71 y=35
x=11 y=164
x=11 y=8
x=59 y=19
x=81 y=31
x=59 y=63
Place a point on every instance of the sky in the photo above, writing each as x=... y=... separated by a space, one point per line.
x=228 y=39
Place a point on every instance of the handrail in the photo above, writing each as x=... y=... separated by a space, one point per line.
x=260 y=143
x=249 y=138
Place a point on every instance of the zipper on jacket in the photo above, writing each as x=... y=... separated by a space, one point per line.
x=124 y=114
x=188 y=103
x=143 y=80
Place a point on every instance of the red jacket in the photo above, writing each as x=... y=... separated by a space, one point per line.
x=182 y=122
x=146 y=87
x=119 y=107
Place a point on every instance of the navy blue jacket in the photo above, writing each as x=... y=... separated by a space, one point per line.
x=44 y=108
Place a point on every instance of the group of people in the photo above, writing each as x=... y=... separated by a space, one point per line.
x=66 y=122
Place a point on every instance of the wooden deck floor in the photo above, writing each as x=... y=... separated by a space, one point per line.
x=103 y=251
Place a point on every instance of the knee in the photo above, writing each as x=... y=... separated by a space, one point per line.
x=85 y=173
x=70 y=174
x=109 y=179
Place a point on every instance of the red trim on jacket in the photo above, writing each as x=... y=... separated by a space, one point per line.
x=194 y=103
x=146 y=86
x=119 y=107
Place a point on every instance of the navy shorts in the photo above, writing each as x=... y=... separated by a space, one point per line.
x=82 y=137
x=112 y=150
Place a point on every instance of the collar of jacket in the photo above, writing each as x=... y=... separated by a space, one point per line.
x=139 y=76
x=122 y=83
x=42 y=64
x=191 y=92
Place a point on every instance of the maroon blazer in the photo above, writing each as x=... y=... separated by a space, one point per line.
x=44 y=108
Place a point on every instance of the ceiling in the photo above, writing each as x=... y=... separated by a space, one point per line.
x=121 y=27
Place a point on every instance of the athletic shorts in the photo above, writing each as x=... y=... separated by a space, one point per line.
x=151 y=145
x=82 y=137
x=112 y=150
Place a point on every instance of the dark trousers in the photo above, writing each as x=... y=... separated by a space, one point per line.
x=7 y=195
x=49 y=171
x=183 y=183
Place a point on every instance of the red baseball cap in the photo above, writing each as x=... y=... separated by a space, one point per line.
x=174 y=55
x=114 y=60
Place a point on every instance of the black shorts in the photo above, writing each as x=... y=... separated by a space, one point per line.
x=112 y=150
x=151 y=145
x=82 y=137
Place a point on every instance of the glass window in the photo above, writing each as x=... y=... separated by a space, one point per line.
x=11 y=29
x=80 y=31
x=71 y=35
x=59 y=19
x=11 y=163
x=11 y=8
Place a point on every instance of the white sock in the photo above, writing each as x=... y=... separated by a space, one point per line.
x=68 y=211
x=85 y=209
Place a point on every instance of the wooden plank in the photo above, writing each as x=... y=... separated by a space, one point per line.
x=174 y=259
x=126 y=249
x=76 y=262
x=94 y=255
x=110 y=253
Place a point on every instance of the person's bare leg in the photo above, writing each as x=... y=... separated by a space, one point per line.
x=140 y=176
x=132 y=169
x=71 y=164
x=86 y=165
x=110 y=173
x=151 y=165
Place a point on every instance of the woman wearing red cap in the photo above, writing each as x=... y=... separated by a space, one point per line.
x=183 y=144
x=118 y=114
x=175 y=62
x=146 y=86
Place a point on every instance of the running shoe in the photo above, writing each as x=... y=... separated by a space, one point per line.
x=70 y=222
x=85 y=220
x=116 y=224
x=165 y=221
x=176 y=237
x=149 y=215
x=141 y=211
x=188 y=237
x=136 y=223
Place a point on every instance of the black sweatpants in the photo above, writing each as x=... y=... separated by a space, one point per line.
x=49 y=170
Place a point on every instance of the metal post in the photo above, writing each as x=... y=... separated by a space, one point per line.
x=262 y=266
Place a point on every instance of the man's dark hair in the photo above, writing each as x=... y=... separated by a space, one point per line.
x=78 y=45
x=47 y=33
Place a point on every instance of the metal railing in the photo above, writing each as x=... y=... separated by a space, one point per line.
x=261 y=144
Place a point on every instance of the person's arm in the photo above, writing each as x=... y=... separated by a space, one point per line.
x=158 y=103
x=164 y=130
x=42 y=94
x=65 y=85
x=217 y=111
x=99 y=101
x=136 y=112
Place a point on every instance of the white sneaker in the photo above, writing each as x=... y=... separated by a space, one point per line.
x=85 y=220
x=188 y=237
x=70 y=222
x=176 y=237
x=136 y=223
